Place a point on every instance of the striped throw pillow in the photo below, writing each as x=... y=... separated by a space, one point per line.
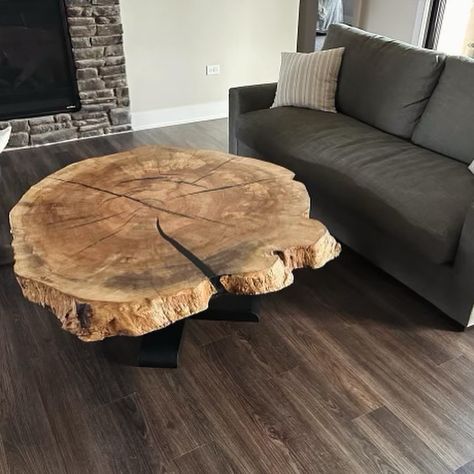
x=309 y=80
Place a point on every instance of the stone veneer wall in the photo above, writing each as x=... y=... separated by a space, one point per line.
x=96 y=33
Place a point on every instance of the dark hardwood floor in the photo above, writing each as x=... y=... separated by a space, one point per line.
x=347 y=372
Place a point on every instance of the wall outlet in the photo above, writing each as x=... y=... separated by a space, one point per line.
x=213 y=69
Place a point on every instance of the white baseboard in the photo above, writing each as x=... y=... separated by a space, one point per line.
x=179 y=115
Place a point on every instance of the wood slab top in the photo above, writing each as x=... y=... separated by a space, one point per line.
x=129 y=243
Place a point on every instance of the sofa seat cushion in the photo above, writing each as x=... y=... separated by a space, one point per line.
x=417 y=196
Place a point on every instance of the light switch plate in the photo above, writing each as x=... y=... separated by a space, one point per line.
x=213 y=69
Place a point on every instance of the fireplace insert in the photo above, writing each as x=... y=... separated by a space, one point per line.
x=37 y=72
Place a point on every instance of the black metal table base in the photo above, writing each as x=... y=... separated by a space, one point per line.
x=160 y=349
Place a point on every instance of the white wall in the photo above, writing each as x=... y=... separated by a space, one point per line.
x=169 y=42
x=457 y=29
x=398 y=19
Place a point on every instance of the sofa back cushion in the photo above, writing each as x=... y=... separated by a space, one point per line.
x=447 y=125
x=383 y=82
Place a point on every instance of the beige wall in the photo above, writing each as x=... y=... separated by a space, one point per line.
x=394 y=18
x=169 y=42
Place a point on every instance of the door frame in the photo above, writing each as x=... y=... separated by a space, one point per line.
x=420 y=30
x=435 y=22
x=307 y=22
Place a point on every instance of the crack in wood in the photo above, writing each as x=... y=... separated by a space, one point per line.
x=126 y=195
x=68 y=219
x=194 y=259
x=222 y=188
x=213 y=170
x=162 y=178
x=139 y=201
x=95 y=221
x=108 y=236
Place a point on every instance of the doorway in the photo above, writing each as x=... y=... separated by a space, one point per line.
x=316 y=16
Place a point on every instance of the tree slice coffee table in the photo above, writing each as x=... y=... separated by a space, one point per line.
x=132 y=243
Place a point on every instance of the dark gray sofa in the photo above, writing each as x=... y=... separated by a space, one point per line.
x=388 y=174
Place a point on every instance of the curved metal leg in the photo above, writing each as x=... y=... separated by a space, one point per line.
x=160 y=349
x=237 y=308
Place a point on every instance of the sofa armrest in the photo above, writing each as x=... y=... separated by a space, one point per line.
x=464 y=267
x=465 y=253
x=247 y=99
x=467 y=235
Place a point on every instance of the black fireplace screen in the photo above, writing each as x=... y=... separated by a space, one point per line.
x=37 y=73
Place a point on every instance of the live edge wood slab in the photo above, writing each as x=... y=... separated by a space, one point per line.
x=130 y=243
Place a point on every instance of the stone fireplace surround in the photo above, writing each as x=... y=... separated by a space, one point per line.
x=97 y=41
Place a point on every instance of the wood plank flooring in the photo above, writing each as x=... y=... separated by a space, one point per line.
x=347 y=372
